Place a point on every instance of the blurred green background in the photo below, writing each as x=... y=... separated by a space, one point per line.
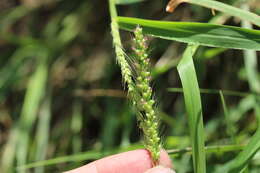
x=62 y=97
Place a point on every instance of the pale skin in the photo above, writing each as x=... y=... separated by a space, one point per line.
x=136 y=161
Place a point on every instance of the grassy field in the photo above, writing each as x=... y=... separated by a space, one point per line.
x=72 y=91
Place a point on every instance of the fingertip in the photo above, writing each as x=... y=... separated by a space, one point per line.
x=136 y=161
x=160 y=169
x=165 y=159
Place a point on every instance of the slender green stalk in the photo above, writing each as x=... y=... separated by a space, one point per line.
x=76 y=126
x=9 y=151
x=209 y=149
x=120 y=55
x=43 y=131
x=125 y=2
x=96 y=154
x=229 y=124
x=250 y=59
x=215 y=91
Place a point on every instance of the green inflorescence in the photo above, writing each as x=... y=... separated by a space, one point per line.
x=139 y=90
x=143 y=98
x=125 y=67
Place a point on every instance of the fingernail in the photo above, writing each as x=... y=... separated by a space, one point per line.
x=160 y=169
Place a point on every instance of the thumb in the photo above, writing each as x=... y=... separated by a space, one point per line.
x=160 y=169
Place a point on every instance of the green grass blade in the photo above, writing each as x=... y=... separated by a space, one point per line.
x=209 y=149
x=196 y=33
x=88 y=155
x=250 y=59
x=76 y=126
x=33 y=96
x=229 y=124
x=192 y=99
x=125 y=2
x=93 y=155
x=8 y=154
x=43 y=130
x=213 y=52
x=215 y=91
x=233 y=11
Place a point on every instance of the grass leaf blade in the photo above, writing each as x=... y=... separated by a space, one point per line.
x=126 y=2
x=196 y=33
x=233 y=11
x=192 y=99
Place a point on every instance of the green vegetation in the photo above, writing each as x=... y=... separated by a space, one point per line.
x=76 y=85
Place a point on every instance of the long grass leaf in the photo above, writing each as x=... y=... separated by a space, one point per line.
x=93 y=155
x=76 y=126
x=230 y=128
x=8 y=156
x=33 y=96
x=215 y=91
x=250 y=59
x=192 y=99
x=43 y=130
x=196 y=33
x=209 y=149
x=125 y=2
x=88 y=155
x=232 y=11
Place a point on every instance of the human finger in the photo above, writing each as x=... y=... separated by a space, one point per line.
x=137 y=161
x=160 y=169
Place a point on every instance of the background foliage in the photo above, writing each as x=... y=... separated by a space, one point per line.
x=62 y=102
